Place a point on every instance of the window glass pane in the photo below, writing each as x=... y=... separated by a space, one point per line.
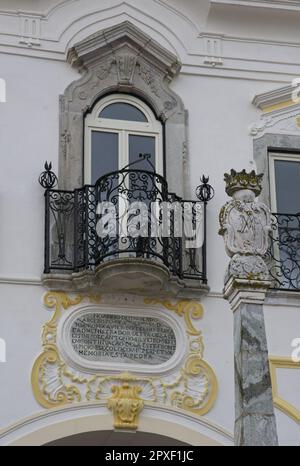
x=105 y=154
x=142 y=145
x=123 y=111
x=287 y=177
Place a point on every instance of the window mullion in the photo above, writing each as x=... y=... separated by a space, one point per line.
x=159 y=154
x=123 y=150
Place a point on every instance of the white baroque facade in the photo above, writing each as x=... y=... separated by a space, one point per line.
x=215 y=84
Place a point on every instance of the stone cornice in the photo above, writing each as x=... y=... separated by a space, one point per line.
x=275 y=4
x=270 y=4
x=110 y=40
x=49 y=36
x=275 y=99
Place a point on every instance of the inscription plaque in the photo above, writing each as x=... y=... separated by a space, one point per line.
x=123 y=339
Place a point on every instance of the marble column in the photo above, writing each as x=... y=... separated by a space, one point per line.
x=245 y=224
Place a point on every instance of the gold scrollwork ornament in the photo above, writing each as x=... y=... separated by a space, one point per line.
x=126 y=404
x=55 y=384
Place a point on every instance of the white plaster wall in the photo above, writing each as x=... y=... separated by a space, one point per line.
x=21 y=320
x=283 y=326
x=29 y=135
x=252 y=22
x=220 y=114
x=217 y=329
x=287 y=429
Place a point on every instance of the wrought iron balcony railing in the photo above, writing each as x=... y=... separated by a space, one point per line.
x=284 y=252
x=72 y=240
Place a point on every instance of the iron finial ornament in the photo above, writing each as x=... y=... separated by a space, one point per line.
x=48 y=179
x=205 y=192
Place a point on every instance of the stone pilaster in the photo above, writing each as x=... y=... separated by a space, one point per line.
x=245 y=225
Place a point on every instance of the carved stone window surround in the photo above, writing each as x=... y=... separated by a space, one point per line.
x=122 y=59
x=263 y=146
x=278 y=130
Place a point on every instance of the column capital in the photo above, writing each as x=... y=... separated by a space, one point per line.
x=239 y=291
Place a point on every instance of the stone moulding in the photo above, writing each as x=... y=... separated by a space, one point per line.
x=280 y=112
x=128 y=275
x=86 y=53
x=275 y=99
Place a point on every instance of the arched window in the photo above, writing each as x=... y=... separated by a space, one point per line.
x=117 y=131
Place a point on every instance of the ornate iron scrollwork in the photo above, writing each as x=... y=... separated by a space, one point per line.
x=283 y=256
x=72 y=237
x=205 y=192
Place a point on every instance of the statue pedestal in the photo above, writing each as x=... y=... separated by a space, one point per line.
x=245 y=225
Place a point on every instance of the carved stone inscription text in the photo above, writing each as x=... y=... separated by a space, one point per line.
x=122 y=339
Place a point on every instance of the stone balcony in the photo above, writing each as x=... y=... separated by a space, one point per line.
x=85 y=252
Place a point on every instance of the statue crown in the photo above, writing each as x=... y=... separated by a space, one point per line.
x=235 y=181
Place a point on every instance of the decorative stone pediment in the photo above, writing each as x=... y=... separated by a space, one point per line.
x=123 y=44
x=121 y=59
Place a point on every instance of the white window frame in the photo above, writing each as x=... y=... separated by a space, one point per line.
x=273 y=156
x=153 y=128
